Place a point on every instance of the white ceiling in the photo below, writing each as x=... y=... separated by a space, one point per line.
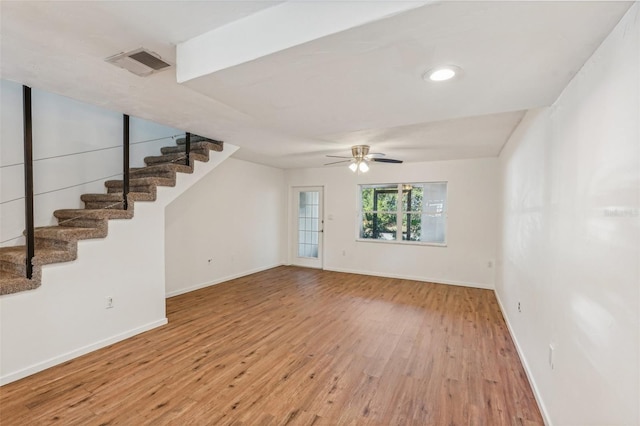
x=290 y=108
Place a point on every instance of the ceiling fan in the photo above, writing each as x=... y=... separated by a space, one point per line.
x=360 y=158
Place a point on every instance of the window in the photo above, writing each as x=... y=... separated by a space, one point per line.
x=404 y=212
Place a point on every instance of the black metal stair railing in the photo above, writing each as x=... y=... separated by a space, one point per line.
x=125 y=162
x=28 y=180
x=187 y=149
x=28 y=175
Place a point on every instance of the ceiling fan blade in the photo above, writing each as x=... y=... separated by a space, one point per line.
x=338 y=156
x=386 y=160
x=336 y=162
x=371 y=154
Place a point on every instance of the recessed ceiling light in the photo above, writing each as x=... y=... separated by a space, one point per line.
x=441 y=73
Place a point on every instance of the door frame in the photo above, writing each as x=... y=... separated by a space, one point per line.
x=293 y=226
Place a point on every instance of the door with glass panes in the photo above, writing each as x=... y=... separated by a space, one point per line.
x=308 y=224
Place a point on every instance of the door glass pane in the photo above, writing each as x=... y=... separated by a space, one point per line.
x=308 y=224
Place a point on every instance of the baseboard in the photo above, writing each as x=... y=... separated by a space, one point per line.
x=12 y=377
x=527 y=370
x=220 y=280
x=411 y=277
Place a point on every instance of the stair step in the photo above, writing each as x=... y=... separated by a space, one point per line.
x=178 y=158
x=13 y=283
x=113 y=200
x=11 y=267
x=143 y=184
x=70 y=214
x=116 y=197
x=84 y=218
x=160 y=170
x=196 y=139
x=154 y=172
x=114 y=188
x=16 y=255
x=64 y=233
x=65 y=237
x=200 y=146
x=113 y=204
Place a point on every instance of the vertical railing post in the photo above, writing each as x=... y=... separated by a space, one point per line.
x=187 y=141
x=28 y=180
x=125 y=161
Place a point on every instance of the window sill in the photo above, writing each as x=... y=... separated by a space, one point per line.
x=402 y=243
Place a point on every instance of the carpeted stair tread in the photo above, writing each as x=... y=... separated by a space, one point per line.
x=160 y=174
x=177 y=157
x=197 y=146
x=161 y=169
x=140 y=182
x=196 y=138
x=11 y=262
x=193 y=138
x=13 y=283
x=116 y=197
x=43 y=256
x=65 y=233
x=93 y=214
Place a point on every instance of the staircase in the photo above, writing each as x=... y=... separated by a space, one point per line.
x=56 y=244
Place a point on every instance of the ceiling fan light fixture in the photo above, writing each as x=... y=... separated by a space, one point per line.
x=443 y=73
x=359 y=162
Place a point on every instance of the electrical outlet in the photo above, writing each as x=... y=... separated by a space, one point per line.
x=519 y=307
x=109 y=302
x=209 y=261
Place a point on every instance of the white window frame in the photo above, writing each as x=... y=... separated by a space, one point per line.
x=399 y=215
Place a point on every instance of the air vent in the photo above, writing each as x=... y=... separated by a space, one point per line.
x=141 y=62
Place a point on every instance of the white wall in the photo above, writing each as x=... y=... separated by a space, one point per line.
x=76 y=147
x=66 y=316
x=471 y=229
x=236 y=217
x=570 y=245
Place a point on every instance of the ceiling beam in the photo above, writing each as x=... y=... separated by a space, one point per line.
x=275 y=29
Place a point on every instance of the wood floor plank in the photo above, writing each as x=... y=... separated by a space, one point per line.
x=295 y=346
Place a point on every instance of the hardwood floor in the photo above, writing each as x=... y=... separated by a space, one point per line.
x=296 y=346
